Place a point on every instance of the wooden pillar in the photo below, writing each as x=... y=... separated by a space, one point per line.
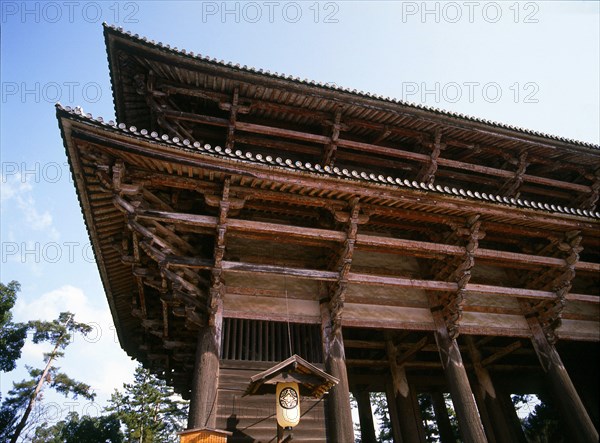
x=481 y=407
x=203 y=401
x=416 y=407
x=393 y=411
x=587 y=387
x=365 y=415
x=469 y=422
x=513 y=420
x=407 y=416
x=441 y=417
x=581 y=428
x=339 y=411
x=497 y=427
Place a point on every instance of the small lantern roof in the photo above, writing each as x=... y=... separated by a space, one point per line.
x=312 y=381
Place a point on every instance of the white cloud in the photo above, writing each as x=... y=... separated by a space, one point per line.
x=96 y=359
x=14 y=187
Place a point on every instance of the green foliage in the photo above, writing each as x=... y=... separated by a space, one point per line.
x=148 y=410
x=432 y=433
x=18 y=405
x=379 y=400
x=542 y=424
x=58 y=332
x=103 y=429
x=12 y=335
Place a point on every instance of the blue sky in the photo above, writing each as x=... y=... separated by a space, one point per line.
x=530 y=64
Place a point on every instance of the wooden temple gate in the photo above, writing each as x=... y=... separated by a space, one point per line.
x=239 y=217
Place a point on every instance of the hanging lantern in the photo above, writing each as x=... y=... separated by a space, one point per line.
x=288 y=404
x=286 y=380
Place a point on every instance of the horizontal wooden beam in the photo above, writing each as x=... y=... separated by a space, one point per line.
x=385 y=243
x=378 y=280
x=373 y=149
x=501 y=353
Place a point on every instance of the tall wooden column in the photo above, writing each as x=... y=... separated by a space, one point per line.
x=441 y=417
x=513 y=420
x=406 y=412
x=576 y=417
x=497 y=427
x=203 y=404
x=365 y=415
x=393 y=411
x=469 y=422
x=339 y=411
x=203 y=401
x=418 y=416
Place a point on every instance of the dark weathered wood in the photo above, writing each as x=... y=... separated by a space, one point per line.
x=361 y=239
x=441 y=417
x=340 y=415
x=365 y=415
x=418 y=416
x=407 y=415
x=375 y=149
x=501 y=353
x=470 y=424
x=393 y=413
x=203 y=401
x=512 y=418
x=497 y=428
x=574 y=413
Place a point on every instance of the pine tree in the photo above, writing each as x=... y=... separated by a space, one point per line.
x=86 y=429
x=12 y=335
x=148 y=409
x=24 y=395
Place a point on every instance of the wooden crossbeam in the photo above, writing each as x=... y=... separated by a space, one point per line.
x=317 y=199
x=219 y=97
x=370 y=279
x=371 y=148
x=405 y=357
x=501 y=353
x=432 y=249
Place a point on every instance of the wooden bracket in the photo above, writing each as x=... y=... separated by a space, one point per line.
x=233 y=111
x=216 y=286
x=427 y=173
x=549 y=312
x=339 y=288
x=512 y=186
x=330 y=149
x=589 y=201
x=453 y=302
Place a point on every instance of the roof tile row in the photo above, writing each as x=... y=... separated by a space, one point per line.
x=334 y=87
x=326 y=170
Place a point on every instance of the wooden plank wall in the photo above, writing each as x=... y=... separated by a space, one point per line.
x=253 y=418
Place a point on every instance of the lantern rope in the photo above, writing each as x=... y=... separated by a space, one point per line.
x=287 y=313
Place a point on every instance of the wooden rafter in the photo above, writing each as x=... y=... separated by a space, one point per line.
x=371 y=147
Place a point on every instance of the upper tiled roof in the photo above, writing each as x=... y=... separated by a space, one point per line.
x=331 y=87
x=293 y=165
